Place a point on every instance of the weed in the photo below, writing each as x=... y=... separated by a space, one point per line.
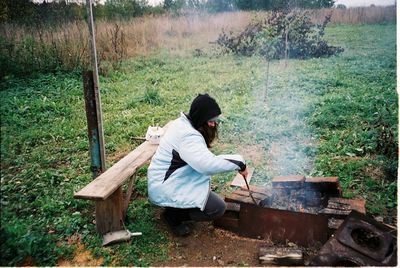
x=280 y=35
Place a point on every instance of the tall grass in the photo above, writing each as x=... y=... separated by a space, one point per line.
x=26 y=50
x=357 y=15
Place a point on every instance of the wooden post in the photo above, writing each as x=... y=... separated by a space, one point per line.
x=94 y=132
x=96 y=96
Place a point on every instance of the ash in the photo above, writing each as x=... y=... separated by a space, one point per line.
x=297 y=199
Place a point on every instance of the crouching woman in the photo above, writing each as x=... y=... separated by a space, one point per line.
x=179 y=175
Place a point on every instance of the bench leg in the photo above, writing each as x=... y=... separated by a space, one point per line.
x=109 y=213
x=128 y=194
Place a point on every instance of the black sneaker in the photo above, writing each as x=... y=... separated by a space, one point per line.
x=178 y=229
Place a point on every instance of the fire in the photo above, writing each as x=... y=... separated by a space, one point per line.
x=301 y=209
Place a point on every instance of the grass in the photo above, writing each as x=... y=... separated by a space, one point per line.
x=324 y=117
x=27 y=50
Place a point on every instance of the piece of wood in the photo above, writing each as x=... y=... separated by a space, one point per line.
x=259 y=189
x=355 y=204
x=280 y=256
x=334 y=212
x=246 y=193
x=341 y=207
x=96 y=152
x=288 y=179
x=239 y=181
x=93 y=54
x=128 y=194
x=109 y=213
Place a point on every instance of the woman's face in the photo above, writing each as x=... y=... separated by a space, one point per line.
x=212 y=124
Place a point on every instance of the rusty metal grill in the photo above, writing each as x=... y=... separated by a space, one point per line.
x=359 y=241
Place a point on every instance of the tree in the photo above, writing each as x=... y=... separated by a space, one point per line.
x=341 y=6
x=173 y=5
x=124 y=9
x=220 y=5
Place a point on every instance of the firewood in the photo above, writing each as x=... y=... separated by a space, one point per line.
x=280 y=256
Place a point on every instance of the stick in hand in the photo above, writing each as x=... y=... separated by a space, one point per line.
x=244 y=173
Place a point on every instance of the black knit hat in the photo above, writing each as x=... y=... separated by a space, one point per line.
x=203 y=108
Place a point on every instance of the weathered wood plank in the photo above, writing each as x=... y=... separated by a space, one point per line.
x=246 y=193
x=340 y=207
x=280 y=256
x=128 y=194
x=259 y=189
x=355 y=204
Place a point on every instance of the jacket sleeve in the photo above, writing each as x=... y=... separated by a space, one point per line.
x=193 y=150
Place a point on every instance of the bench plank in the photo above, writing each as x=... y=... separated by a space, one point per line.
x=109 y=181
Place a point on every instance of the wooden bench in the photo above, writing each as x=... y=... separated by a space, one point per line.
x=106 y=189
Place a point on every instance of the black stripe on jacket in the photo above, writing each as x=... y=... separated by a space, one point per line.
x=176 y=162
x=240 y=164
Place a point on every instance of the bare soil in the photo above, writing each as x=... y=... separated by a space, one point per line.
x=210 y=246
x=82 y=257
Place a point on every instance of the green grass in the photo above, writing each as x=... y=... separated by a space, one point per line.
x=330 y=117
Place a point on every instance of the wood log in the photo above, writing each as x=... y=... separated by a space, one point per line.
x=355 y=204
x=259 y=189
x=338 y=206
x=245 y=193
x=341 y=207
x=280 y=256
x=334 y=212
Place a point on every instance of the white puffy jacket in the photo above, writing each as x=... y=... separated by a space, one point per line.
x=180 y=171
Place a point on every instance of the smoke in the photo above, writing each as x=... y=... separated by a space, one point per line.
x=279 y=122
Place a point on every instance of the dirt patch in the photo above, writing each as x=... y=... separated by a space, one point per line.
x=254 y=153
x=28 y=262
x=210 y=246
x=375 y=172
x=82 y=257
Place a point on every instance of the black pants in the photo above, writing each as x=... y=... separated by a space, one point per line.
x=215 y=208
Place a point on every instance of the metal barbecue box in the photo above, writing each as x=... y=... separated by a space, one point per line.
x=305 y=211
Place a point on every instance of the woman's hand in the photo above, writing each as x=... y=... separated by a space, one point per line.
x=244 y=173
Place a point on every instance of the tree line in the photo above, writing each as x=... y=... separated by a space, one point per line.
x=59 y=11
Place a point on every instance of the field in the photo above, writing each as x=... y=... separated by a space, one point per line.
x=332 y=116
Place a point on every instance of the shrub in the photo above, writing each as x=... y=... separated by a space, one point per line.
x=280 y=35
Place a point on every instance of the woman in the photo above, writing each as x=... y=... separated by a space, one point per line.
x=180 y=171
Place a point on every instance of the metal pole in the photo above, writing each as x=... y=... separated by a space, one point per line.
x=97 y=99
